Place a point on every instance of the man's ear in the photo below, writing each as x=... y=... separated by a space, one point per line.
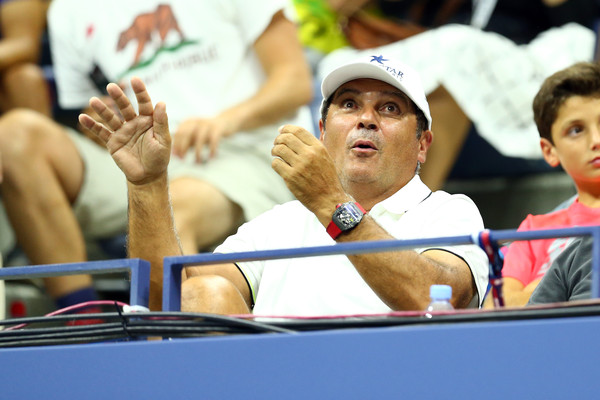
x=321 y=130
x=424 y=142
x=549 y=152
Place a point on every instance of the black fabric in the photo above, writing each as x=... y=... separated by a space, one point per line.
x=479 y=159
x=519 y=20
x=426 y=12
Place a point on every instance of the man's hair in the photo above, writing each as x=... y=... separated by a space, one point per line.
x=581 y=79
x=422 y=123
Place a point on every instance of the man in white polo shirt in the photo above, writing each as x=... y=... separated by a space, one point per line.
x=358 y=182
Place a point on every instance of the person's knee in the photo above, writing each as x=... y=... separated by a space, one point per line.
x=211 y=294
x=186 y=195
x=29 y=141
x=203 y=212
x=21 y=131
x=24 y=75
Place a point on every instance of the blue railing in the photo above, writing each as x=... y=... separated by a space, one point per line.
x=174 y=265
x=139 y=274
x=140 y=269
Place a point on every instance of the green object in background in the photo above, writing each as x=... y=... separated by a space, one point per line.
x=318 y=26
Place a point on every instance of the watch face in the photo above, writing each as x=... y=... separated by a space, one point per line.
x=347 y=216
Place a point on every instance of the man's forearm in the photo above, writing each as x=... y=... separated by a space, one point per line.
x=401 y=279
x=152 y=234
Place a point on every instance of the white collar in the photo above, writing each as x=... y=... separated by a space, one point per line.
x=410 y=195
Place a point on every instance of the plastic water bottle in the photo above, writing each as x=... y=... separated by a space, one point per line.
x=440 y=299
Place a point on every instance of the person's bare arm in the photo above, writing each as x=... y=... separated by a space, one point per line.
x=402 y=279
x=287 y=87
x=140 y=145
x=22 y=23
x=515 y=293
x=289 y=80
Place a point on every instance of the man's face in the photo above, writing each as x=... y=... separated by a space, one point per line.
x=576 y=136
x=371 y=135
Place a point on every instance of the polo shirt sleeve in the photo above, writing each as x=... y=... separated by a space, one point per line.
x=251 y=236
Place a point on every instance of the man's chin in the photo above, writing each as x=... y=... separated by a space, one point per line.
x=360 y=175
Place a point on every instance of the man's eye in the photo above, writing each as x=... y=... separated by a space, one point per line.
x=391 y=108
x=348 y=104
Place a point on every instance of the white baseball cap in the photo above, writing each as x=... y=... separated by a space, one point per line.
x=383 y=69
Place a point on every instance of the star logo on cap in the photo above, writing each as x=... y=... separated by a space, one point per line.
x=379 y=59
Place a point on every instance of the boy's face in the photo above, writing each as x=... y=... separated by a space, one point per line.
x=576 y=136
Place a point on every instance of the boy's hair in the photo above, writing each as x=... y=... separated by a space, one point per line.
x=581 y=79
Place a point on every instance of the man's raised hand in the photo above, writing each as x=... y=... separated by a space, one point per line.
x=139 y=143
x=306 y=167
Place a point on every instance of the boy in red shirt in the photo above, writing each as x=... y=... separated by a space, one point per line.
x=567 y=114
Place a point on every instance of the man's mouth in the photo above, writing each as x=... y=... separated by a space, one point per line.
x=364 y=145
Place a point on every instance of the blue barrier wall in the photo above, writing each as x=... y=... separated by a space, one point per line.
x=533 y=359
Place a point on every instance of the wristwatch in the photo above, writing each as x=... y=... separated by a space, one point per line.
x=345 y=217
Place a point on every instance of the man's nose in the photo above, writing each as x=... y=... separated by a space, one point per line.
x=368 y=119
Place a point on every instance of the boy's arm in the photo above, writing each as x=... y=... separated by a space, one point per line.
x=517 y=266
x=515 y=293
x=519 y=262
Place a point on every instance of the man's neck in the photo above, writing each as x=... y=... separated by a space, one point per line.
x=369 y=195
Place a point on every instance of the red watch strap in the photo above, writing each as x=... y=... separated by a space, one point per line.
x=360 y=207
x=333 y=230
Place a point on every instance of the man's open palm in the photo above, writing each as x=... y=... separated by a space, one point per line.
x=140 y=143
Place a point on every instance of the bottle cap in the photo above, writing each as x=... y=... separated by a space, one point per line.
x=440 y=292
